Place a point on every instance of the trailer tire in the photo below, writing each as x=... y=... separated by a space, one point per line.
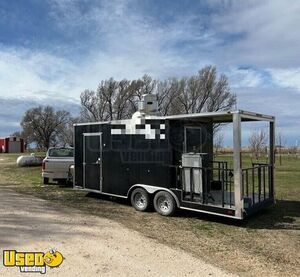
x=140 y=200
x=164 y=203
x=46 y=181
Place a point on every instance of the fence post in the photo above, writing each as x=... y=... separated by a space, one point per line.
x=271 y=159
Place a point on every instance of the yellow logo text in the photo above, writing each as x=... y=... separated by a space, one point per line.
x=32 y=261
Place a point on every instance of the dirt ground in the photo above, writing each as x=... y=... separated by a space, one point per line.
x=92 y=246
x=267 y=244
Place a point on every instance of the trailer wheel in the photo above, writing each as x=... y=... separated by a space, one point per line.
x=164 y=203
x=140 y=200
x=46 y=181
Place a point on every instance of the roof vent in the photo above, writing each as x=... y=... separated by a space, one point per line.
x=148 y=104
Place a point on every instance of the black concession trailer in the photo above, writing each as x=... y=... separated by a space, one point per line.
x=168 y=161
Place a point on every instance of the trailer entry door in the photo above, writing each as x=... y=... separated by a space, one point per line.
x=92 y=161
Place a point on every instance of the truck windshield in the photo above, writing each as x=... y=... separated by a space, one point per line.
x=61 y=152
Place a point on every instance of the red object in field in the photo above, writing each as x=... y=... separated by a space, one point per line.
x=12 y=145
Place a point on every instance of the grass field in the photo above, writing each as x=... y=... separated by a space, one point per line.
x=266 y=244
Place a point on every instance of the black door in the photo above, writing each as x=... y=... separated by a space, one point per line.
x=92 y=161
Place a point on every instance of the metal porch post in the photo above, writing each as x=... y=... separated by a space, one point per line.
x=271 y=159
x=237 y=170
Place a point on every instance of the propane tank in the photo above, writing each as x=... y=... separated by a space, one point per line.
x=32 y=160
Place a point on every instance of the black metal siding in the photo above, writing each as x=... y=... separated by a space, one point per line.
x=132 y=159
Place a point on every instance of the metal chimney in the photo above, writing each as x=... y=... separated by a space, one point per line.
x=148 y=104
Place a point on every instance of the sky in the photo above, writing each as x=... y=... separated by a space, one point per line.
x=52 y=50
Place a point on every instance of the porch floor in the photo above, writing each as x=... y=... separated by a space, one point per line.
x=214 y=198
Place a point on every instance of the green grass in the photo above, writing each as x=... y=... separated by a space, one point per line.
x=268 y=243
x=287 y=175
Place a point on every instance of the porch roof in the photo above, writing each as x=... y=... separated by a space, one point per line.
x=224 y=116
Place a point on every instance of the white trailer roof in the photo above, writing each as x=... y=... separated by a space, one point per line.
x=217 y=117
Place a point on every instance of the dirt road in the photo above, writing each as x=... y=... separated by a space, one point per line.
x=92 y=246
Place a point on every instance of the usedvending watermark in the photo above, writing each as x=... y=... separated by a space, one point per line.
x=32 y=261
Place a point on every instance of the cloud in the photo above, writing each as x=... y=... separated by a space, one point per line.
x=273 y=101
x=120 y=43
x=287 y=78
x=270 y=101
x=13 y=109
x=112 y=38
x=25 y=73
x=130 y=43
x=247 y=77
x=255 y=43
x=266 y=31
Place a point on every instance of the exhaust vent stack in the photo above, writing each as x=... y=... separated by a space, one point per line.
x=148 y=104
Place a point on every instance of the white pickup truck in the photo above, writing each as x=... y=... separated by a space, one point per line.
x=56 y=165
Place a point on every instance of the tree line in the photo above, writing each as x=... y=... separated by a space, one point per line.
x=203 y=92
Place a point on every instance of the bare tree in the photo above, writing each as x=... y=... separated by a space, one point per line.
x=16 y=134
x=205 y=93
x=98 y=106
x=280 y=141
x=114 y=99
x=144 y=85
x=65 y=133
x=122 y=107
x=218 y=142
x=43 y=125
x=119 y=99
x=168 y=93
x=257 y=142
x=200 y=93
x=293 y=150
x=92 y=106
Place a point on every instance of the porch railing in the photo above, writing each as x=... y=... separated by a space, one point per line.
x=218 y=184
x=256 y=183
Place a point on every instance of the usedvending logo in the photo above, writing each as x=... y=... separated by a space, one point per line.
x=32 y=261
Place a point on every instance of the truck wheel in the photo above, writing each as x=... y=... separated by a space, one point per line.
x=140 y=200
x=164 y=203
x=46 y=181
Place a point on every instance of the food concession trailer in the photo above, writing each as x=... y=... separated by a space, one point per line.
x=168 y=161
